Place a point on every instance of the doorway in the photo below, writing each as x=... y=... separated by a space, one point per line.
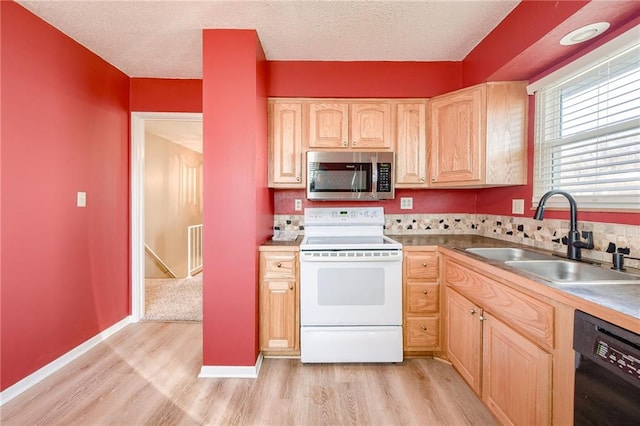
x=139 y=122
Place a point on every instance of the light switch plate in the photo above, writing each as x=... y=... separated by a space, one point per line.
x=297 y=205
x=81 y=199
x=406 y=203
x=517 y=206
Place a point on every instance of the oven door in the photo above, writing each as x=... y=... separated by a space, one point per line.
x=351 y=288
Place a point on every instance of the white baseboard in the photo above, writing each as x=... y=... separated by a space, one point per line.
x=12 y=391
x=228 y=372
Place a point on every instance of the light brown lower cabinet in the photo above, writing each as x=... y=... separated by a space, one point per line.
x=516 y=375
x=510 y=372
x=279 y=324
x=421 y=302
x=464 y=337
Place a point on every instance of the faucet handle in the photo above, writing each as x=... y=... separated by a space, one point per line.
x=588 y=235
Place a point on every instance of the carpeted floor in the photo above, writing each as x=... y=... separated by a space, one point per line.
x=173 y=299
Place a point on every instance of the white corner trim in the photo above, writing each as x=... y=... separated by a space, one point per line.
x=12 y=391
x=231 y=372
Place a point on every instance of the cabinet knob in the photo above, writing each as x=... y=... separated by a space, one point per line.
x=345 y=143
x=354 y=143
x=279 y=265
x=424 y=328
x=290 y=286
x=482 y=318
x=424 y=264
x=297 y=178
x=433 y=178
x=424 y=291
x=422 y=179
x=472 y=311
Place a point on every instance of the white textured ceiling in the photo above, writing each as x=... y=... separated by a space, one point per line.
x=162 y=39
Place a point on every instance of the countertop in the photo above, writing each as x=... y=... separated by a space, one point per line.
x=622 y=298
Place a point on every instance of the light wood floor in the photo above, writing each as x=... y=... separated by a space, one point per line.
x=147 y=374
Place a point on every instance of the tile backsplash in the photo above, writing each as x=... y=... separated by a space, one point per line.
x=546 y=234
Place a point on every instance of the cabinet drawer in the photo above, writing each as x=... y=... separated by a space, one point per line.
x=279 y=265
x=522 y=312
x=422 y=266
x=422 y=333
x=422 y=298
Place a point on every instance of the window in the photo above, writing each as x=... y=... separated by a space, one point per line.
x=588 y=134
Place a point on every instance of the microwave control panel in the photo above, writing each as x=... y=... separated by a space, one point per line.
x=384 y=177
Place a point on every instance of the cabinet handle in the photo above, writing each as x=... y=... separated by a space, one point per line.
x=424 y=291
x=279 y=265
x=472 y=311
x=424 y=328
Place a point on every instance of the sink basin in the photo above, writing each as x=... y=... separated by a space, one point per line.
x=508 y=253
x=567 y=272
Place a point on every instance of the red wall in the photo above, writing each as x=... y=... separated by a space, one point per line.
x=65 y=119
x=166 y=95
x=363 y=79
x=238 y=206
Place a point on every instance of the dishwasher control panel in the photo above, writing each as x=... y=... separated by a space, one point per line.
x=615 y=355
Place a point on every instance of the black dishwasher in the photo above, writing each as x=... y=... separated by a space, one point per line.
x=607 y=382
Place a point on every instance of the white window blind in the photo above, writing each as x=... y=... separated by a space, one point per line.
x=588 y=135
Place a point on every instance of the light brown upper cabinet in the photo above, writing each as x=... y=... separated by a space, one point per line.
x=335 y=124
x=411 y=144
x=286 y=155
x=478 y=136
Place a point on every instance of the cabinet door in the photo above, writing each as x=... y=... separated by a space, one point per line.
x=421 y=266
x=421 y=333
x=371 y=126
x=285 y=154
x=422 y=298
x=457 y=142
x=516 y=376
x=463 y=337
x=279 y=306
x=328 y=125
x=278 y=325
x=411 y=145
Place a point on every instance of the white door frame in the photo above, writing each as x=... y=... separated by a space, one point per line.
x=137 y=201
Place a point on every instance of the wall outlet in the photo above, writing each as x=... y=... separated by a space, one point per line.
x=81 y=199
x=297 y=205
x=406 y=203
x=517 y=206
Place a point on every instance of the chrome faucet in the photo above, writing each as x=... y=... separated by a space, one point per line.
x=573 y=238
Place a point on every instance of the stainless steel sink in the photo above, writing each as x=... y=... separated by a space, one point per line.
x=569 y=272
x=508 y=253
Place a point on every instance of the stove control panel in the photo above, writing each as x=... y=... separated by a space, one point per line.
x=344 y=215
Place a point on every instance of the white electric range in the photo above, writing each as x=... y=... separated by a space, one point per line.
x=350 y=287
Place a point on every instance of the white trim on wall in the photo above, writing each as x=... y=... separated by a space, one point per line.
x=14 y=390
x=231 y=371
x=137 y=201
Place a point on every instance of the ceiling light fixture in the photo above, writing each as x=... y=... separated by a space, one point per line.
x=584 y=33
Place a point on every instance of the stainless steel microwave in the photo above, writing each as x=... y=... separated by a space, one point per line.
x=350 y=175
